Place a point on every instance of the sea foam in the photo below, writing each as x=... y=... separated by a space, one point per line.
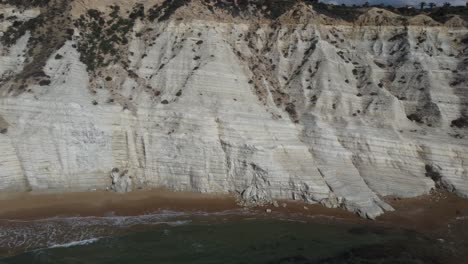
x=76 y=243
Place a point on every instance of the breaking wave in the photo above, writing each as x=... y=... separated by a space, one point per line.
x=27 y=235
x=76 y=243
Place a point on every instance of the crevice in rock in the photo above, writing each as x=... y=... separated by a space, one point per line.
x=121 y=180
x=433 y=172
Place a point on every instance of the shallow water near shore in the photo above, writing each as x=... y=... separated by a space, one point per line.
x=235 y=236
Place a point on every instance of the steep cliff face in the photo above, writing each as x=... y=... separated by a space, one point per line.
x=266 y=101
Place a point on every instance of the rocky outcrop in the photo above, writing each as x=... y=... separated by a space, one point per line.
x=340 y=114
x=121 y=181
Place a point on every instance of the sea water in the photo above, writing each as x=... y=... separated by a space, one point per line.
x=226 y=237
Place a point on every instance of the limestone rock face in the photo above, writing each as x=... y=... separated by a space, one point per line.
x=336 y=114
x=121 y=181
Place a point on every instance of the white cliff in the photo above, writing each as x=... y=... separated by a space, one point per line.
x=339 y=114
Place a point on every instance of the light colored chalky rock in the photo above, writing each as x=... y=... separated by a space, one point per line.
x=348 y=142
x=121 y=181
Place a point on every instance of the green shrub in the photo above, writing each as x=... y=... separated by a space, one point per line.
x=44 y=82
x=460 y=122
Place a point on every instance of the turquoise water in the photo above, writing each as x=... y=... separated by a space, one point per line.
x=185 y=238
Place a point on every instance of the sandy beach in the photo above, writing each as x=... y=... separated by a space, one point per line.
x=424 y=213
x=112 y=214
x=101 y=203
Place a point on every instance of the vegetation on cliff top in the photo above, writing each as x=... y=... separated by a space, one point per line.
x=103 y=36
x=49 y=31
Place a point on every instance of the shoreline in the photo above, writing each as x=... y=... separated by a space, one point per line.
x=40 y=205
x=424 y=213
x=26 y=218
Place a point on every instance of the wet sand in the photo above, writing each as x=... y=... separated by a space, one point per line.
x=29 y=206
x=433 y=215
x=425 y=213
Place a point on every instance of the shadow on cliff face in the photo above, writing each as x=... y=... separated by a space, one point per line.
x=3 y=125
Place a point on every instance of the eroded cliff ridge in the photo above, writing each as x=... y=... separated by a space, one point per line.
x=266 y=99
